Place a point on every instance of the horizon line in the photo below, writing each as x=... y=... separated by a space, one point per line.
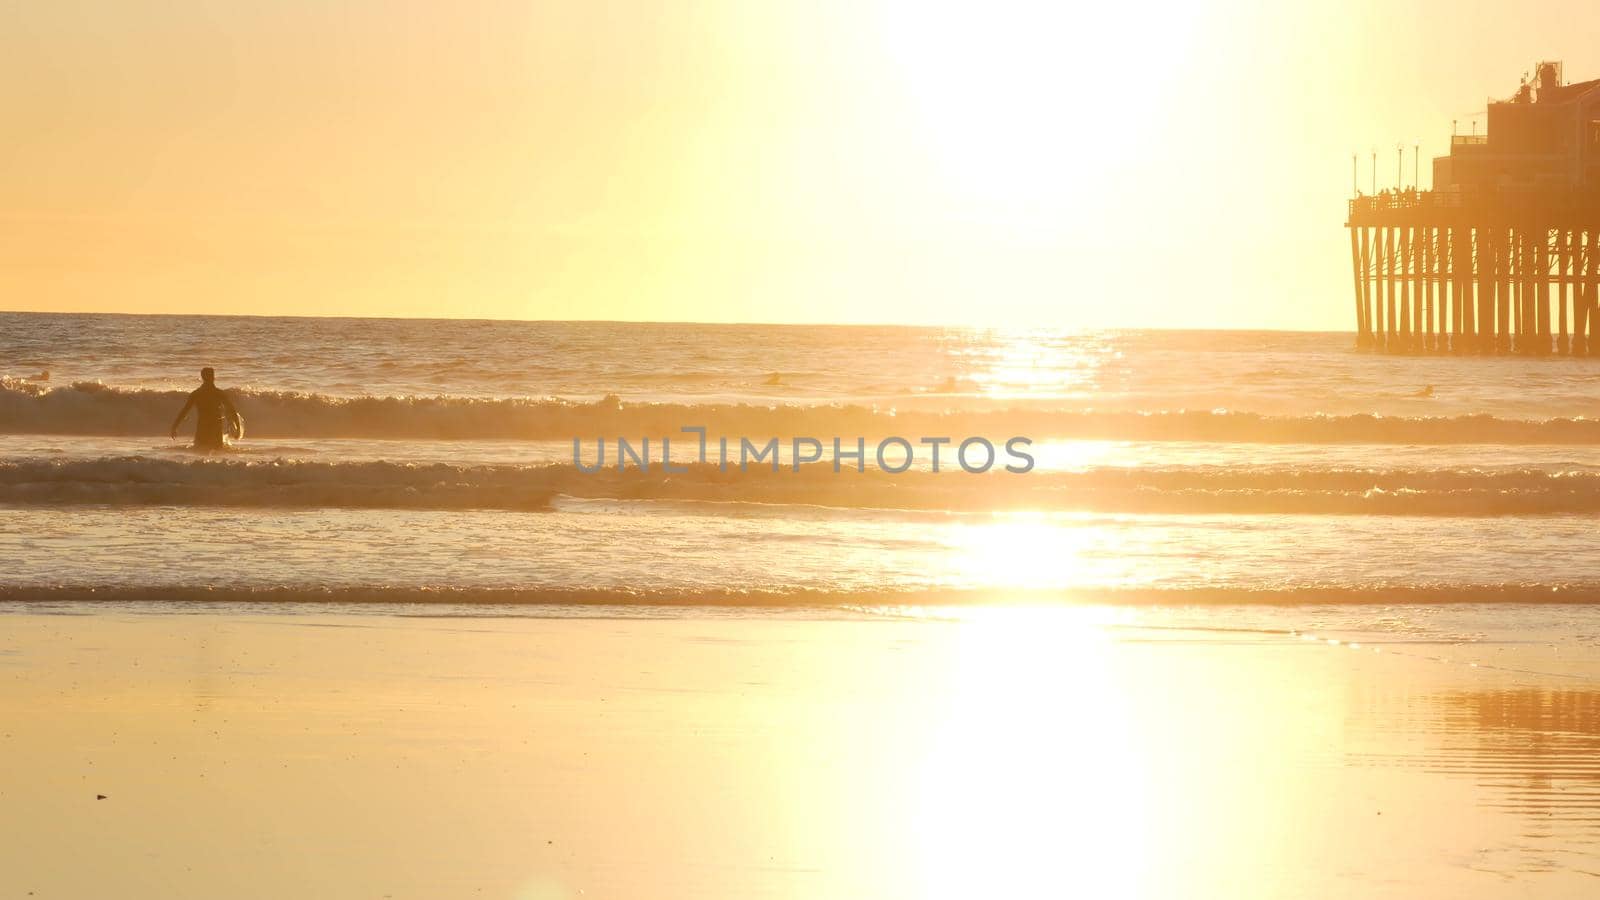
x=742 y=323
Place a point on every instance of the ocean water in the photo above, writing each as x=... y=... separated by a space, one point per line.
x=433 y=461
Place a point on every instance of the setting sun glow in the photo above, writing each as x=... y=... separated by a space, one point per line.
x=888 y=161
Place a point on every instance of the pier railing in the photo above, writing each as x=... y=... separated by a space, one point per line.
x=1555 y=207
x=1398 y=200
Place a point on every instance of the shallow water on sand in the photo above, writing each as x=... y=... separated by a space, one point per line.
x=685 y=555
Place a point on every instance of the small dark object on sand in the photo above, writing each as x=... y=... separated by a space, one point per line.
x=99 y=796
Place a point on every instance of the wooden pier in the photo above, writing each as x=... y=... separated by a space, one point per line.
x=1503 y=256
x=1490 y=272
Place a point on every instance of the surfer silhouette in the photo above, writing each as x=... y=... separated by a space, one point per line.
x=215 y=417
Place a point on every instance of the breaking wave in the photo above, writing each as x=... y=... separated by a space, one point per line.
x=870 y=602
x=146 y=481
x=90 y=408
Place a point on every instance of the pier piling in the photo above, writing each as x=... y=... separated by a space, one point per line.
x=1439 y=273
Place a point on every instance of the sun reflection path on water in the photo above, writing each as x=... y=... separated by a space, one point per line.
x=1034 y=550
x=1034 y=364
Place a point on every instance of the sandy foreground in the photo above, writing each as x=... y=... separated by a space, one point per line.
x=301 y=754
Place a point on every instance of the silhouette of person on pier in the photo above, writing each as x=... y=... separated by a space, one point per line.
x=214 y=414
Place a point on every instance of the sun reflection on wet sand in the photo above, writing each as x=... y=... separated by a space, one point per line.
x=1033 y=769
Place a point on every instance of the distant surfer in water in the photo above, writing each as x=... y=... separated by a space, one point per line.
x=215 y=417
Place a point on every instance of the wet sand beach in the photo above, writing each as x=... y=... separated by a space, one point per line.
x=1009 y=753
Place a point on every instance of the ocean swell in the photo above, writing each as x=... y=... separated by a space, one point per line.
x=145 y=481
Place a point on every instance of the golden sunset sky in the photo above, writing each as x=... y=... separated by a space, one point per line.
x=1009 y=164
